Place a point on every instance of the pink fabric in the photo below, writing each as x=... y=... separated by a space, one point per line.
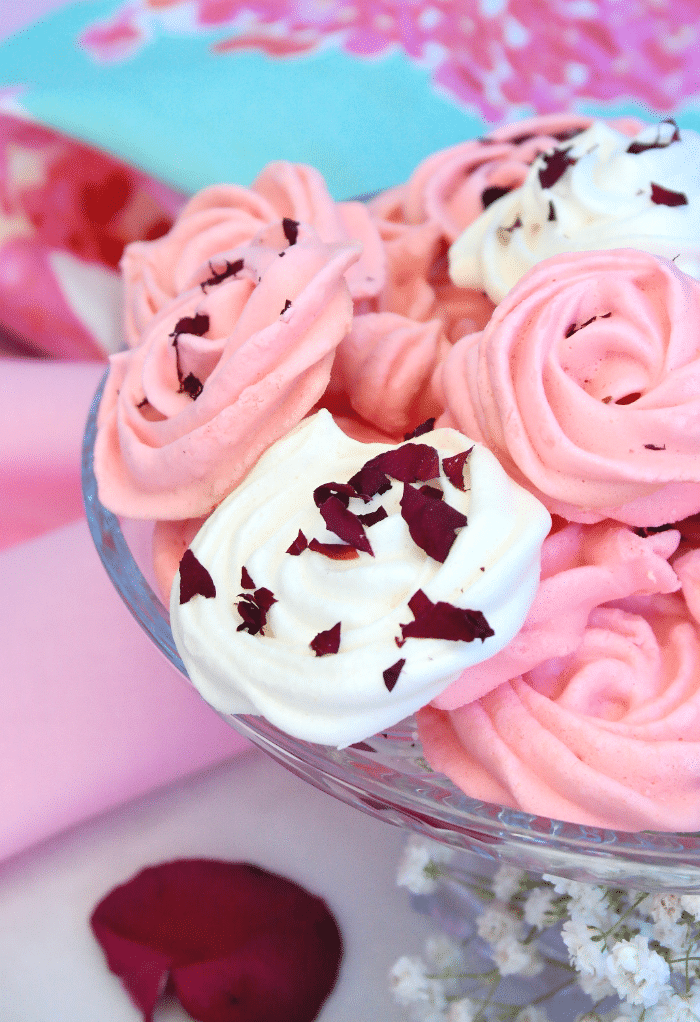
x=92 y=714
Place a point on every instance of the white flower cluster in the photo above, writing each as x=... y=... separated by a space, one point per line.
x=640 y=951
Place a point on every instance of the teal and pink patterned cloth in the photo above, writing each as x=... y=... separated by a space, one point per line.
x=176 y=95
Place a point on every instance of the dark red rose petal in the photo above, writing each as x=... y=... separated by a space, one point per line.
x=689 y=529
x=300 y=544
x=291 y=230
x=326 y=642
x=665 y=197
x=195 y=580
x=431 y=523
x=343 y=491
x=643 y=147
x=444 y=621
x=425 y=427
x=252 y=616
x=346 y=525
x=556 y=163
x=391 y=674
x=246 y=580
x=454 y=468
x=239 y=944
x=431 y=491
x=192 y=386
x=264 y=598
x=409 y=463
x=197 y=325
x=372 y=517
x=336 y=551
x=217 y=276
x=490 y=195
x=253 y=609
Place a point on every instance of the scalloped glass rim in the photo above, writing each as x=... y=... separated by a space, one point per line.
x=386 y=776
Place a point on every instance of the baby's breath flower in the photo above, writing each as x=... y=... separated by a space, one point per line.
x=638 y=974
x=594 y=986
x=538 y=907
x=672 y=1008
x=590 y=903
x=662 y=907
x=443 y=954
x=462 y=1010
x=506 y=882
x=498 y=923
x=408 y=980
x=691 y=904
x=421 y=863
x=585 y=954
x=515 y=959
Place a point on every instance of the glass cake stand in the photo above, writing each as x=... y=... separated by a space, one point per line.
x=387 y=777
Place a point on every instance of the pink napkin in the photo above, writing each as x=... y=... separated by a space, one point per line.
x=92 y=714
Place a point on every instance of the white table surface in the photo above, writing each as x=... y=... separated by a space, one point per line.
x=251 y=809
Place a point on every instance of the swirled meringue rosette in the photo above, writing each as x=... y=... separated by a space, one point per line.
x=384 y=368
x=269 y=621
x=222 y=372
x=608 y=736
x=583 y=567
x=599 y=190
x=586 y=385
x=221 y=218
x=445 y=194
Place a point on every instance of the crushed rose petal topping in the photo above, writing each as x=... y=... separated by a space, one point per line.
x=195 y=580
x=391 y=674
x=442 y=620
x=432 y=523
x=327 y=641
x=253 y=609
x=454 y=468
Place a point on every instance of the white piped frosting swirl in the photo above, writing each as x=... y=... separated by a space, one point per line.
x=340 y=698
x=607 y=197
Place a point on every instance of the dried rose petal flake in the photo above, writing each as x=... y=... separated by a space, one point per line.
x=444 y=621
x=432 y=523
x=666 y=197
x=300 y=544
x=410 y=463
x=454 y=468
x=234 y=942
x=195 y=580
x=345 y=524
x=425 y=427
x=326 y=642
x=336 y=551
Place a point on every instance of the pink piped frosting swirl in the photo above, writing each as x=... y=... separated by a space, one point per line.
x=586 y=385
x=608 y=736
x=186 y=413
x=221 y=218
x=594 y=711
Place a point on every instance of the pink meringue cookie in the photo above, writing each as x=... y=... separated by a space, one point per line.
x=608 y=736
x=582 y=568
x=451 y=187
x=586 y=385
x=222 y=217
x=384 y=367
x=223 y=371
x=418 y=283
